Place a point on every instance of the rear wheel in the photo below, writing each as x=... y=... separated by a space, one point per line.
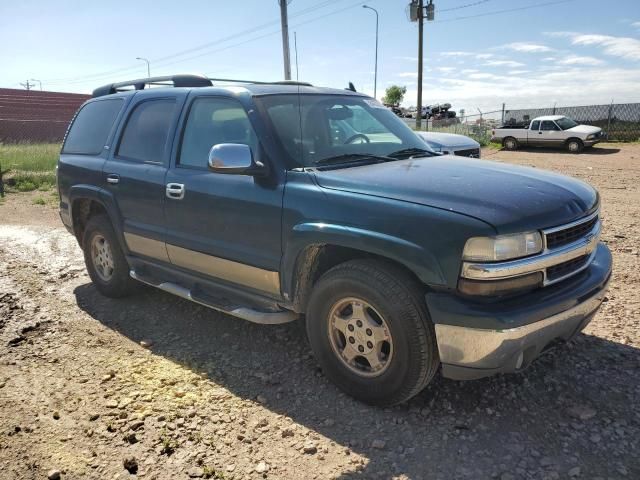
x=370 y=331
x=510 y=143
x=574 y=145
x=105 y=261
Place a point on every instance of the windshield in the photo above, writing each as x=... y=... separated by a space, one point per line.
x=566 y=123
x=316 y=128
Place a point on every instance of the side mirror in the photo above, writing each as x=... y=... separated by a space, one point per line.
x=235 y=159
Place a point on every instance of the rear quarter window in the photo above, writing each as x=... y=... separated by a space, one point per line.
x=90 y=128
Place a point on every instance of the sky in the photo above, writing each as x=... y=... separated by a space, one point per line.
x=478 y=54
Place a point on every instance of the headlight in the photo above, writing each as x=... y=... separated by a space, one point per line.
x=591 y=137
x=502 y=247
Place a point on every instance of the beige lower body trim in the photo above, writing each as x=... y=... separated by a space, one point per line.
x=240 y=273
x=235 y=272
x=146 y=246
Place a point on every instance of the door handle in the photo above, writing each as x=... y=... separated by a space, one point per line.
x=539 y=133
x=175 y=191
x=113 y=178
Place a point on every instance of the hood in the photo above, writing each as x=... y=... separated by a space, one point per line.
x=586 y=129
x=509 y=197
x=448 y=139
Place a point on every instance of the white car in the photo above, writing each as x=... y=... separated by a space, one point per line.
x=549 y=131
x=451 y=144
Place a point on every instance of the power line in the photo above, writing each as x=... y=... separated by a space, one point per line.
x=159 y=61
x=496 y=12
x=479 y=2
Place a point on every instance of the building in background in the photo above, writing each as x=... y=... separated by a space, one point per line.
x=36 y=116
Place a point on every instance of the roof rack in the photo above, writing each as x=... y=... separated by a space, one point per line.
x=186 y=80
x=169 y=80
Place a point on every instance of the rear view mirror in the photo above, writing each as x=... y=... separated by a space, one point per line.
x=234 y=158
x=340 y=113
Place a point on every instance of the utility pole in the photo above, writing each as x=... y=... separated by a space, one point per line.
x=420 y=34
x=285 y=38
x=417 y=13
x=146 y=60
x=28 y=85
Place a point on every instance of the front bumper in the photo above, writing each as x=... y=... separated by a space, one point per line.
x=480 y=339
x=590 y=143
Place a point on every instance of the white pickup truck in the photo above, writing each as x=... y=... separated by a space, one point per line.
x=549 y=131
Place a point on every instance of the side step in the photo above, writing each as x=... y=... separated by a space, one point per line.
x=255 y=316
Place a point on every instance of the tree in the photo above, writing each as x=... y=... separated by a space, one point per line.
x=394 y=95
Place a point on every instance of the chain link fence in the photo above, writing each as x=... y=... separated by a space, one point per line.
x=619 y=121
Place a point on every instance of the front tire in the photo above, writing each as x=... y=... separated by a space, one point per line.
x=105 y=261
x=574 y=145
x=369 y=329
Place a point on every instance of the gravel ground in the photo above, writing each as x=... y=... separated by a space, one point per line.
x=155 y=387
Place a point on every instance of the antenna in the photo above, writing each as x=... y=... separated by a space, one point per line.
x=295 y=46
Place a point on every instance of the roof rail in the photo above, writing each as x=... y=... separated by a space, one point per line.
x=258 y=82
x=185 y=80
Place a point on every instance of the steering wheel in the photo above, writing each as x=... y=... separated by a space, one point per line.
x=355 y=137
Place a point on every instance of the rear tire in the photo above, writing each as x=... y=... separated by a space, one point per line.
x=574 y=145
x=105 y=261
x=510 y=143
x=396 y=336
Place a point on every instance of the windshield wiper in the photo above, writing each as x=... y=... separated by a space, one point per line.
x=349 y=157
x=411 y=152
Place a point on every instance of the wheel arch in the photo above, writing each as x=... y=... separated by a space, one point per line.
x=316 y=248
x=86 y=201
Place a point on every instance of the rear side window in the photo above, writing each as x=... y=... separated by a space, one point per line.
x=535 y=125
x=90 y=129
x=549 y=125
x=147 y=129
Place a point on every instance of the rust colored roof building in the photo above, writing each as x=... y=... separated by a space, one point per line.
x=35 y=116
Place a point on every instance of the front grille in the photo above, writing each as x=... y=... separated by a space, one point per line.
x=571 y=234
x=566 y=268
x=470 y=152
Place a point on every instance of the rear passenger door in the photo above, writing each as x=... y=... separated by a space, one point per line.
x=223 y=226
x=135 y=171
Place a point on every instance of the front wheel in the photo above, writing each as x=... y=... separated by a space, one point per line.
x=575 y=145
x=369 y=329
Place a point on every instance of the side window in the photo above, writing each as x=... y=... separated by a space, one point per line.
x=90 y=129
x=549 y=125
x=145 y=134
x=535 y=125
x=212 y=121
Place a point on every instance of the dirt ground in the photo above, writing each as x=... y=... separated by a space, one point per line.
x=155 y=387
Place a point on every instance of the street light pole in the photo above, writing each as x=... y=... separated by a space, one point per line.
x=148 y=65
x=36 y=80
x=375 y=78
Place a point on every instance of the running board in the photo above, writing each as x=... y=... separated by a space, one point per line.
x=255 y=316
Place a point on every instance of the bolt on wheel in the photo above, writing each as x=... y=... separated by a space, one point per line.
x=102 y=257
x=360 y=337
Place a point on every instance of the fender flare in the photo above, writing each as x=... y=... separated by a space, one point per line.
x=414 y=257
x=102 y=197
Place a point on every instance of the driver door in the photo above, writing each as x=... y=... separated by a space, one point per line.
x=223 y=226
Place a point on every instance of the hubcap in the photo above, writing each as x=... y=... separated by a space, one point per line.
x=573 y=146
x=102 y=257
x=360 y=337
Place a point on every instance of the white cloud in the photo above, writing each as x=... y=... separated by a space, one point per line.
x=549 y=59
x=408 y=59
x=578 y=60
x=445 y=69
x=503 y=63
x=527 y=47
x=484 y=76
x=468 y=70
x=518 y=72
x=484 y=56
x=636 y=24
x=407 y=74
x=623 y=47
x=456 y=54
